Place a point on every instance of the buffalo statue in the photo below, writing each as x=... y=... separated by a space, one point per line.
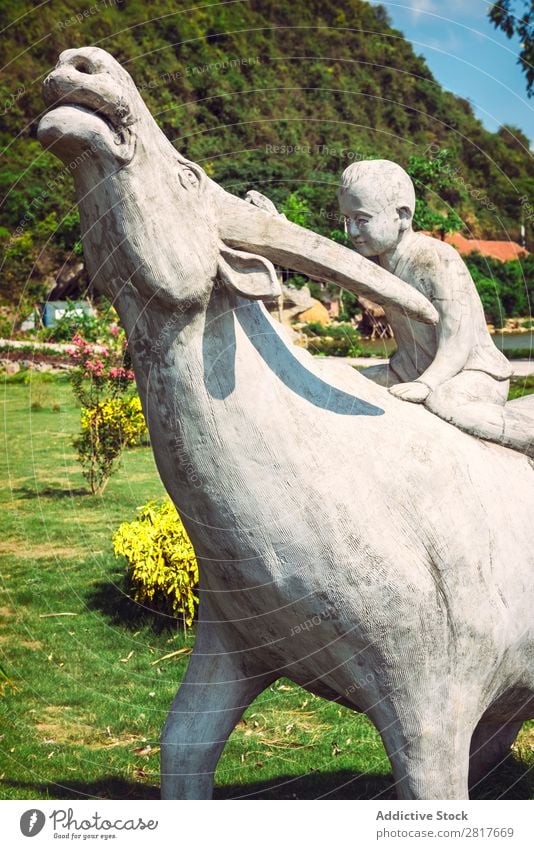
x=308 y=491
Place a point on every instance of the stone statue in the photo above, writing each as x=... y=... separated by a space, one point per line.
x=453 y=368
x=408 y=542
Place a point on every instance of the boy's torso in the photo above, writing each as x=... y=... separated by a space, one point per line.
x=417 y=343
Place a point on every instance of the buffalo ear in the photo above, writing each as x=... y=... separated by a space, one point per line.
x=252 y=276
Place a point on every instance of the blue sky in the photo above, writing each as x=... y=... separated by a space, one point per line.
x=468 y=56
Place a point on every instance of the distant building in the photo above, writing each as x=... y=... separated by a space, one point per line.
x=52 y=311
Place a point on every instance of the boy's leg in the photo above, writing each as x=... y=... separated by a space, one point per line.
x=519 y=425
x=476 y=403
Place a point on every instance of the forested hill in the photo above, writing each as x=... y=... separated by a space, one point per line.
x=274 y=96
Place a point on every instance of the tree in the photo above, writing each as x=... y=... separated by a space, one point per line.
x=296 y=209
x=437 y=187
x=506 y=15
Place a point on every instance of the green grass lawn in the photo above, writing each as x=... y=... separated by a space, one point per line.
x=520 y=386
x=89 y=692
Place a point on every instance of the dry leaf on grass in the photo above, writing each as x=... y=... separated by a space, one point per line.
x=127 y=658
x=186 y=650
x=145 y=751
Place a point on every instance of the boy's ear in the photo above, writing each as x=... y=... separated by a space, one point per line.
x=405 y=216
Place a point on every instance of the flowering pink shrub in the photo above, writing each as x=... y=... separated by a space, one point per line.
x=121 y=374
x=111 y=415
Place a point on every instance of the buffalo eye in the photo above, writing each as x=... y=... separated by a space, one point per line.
x=189 y=179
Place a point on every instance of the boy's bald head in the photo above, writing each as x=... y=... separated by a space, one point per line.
x=379 y=179
x=377 y=199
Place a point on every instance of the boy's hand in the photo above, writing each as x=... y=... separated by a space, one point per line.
x=415 y=392
x=262 y=202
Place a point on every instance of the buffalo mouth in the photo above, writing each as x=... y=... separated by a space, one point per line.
x=80 y=107
x=113 y=125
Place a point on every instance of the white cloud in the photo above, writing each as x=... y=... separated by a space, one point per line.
x=419 y=7
x=451 y=9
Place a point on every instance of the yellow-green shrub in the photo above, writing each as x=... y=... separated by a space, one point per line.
x=122 y=416
x=137 y=429
x=162 y=565
x=107 y=427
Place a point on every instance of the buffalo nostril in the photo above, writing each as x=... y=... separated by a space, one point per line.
x=82 y=65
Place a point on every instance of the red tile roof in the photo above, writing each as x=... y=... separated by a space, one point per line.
x=498 y=250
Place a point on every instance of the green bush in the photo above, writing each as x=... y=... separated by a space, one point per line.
x=489 y=292
x=314 y=328
x=506 y=289
x=162 y=566
x=518 y=353
x=334 y=340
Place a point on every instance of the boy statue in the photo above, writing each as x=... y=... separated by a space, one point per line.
x=453 y=368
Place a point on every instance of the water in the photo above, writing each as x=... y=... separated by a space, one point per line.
x=522 y=341
x=504 y=341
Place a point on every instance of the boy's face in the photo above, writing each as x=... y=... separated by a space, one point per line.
x=373 y=227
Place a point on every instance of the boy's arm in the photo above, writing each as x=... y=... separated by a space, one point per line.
x=451 y=296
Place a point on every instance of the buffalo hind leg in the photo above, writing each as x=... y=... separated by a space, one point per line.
x=429 y=761
x=206 y=709
x=490 y=745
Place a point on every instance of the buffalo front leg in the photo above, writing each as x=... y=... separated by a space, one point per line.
x=206 y=709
